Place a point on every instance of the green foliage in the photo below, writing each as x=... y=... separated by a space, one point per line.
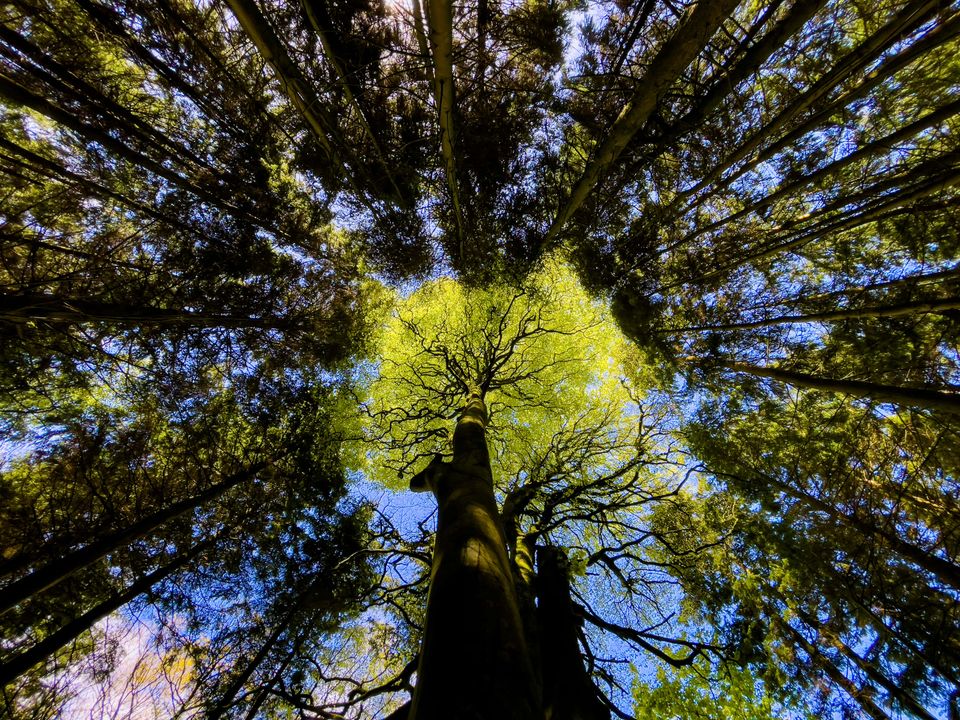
x=544 y=354
x=702 y=692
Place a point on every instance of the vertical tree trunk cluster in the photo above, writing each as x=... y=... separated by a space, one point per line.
x=476 y=660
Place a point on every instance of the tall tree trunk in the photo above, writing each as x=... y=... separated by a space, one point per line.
x=910 y=397
x=916 y=307
x=568 y=692
x=19 y=664
x=25 y=308
x=17 y=95
x=318 y=15
x=227 y=698
x=474 y=662
x=860 y=695
x=440 y=24
x=55 y=572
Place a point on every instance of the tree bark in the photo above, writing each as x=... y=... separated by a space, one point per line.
x=57 y=571
x=910 y=397
x=908 y=308
x=474 y=662
x=568 y=692
x=19 y=664
x=24 y=308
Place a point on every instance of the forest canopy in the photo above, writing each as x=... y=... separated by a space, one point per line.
x=655 y=304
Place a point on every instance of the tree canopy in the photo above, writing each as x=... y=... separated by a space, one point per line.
x=669 y=290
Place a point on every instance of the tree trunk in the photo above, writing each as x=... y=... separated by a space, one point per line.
x=916 y=307
x=910 y=397
x=318 y=15
x=17 y=95
x=227 y=698
x=860 y=695
x=62 y=568
x=63 y=79
x=19 y=664
x=24 y=308
x=474 y=662
x=568 y=692
x=440 y=24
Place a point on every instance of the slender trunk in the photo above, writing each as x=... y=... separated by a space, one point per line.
x=25 y=308
x=872 y=149
x=111 y=22
x=672 y=59
x=881 y=207
x=440 y=24
x=18 y=95
x=641 y=11
x=226 y=700
x=907 y=396
x=944 y=570
x=754 y=57
x=264 y=690
x=423 y=46
x=943 y=667
x=568 y=692
x=32 y=240
x=474 y=662
x=857 y=59
x=909 y=308
x=319 y=16
x=906 y=281
x=323 y=126
x=50 y=169
x=19 y=664
x=67 y=82
x=870 y=670
x=59 y=570
x=858 y=694
x=943 y=33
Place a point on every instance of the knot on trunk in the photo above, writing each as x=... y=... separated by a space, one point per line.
x=429 y=477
